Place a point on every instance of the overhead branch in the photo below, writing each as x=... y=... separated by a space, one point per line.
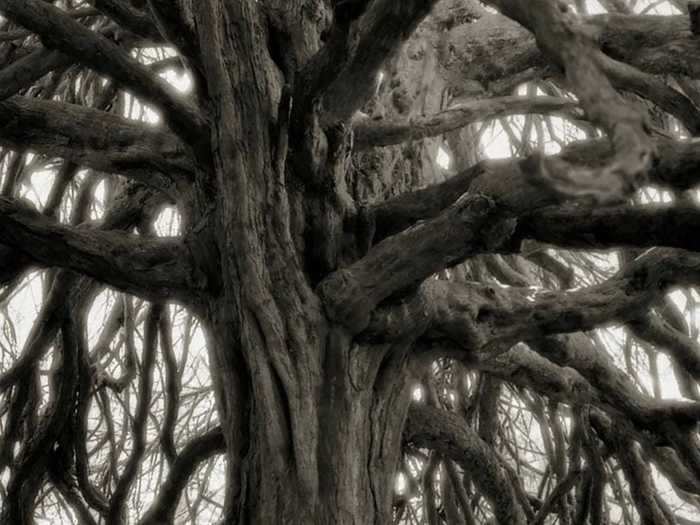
x=446 y=433
x=470 y=226
x=59 y=31
x=588 y=227
x=383 y=27
x=658 y=45
x=128 y=209
x=486 y=318
x=370 y=133
x=678 y=168
x=628 y=78
x=561 y=36
x=23 y=72
x=95 y=139
x=638 y=51
x=154 y=268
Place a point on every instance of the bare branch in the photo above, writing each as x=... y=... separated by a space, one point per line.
x=157 y=268
x=612 y=226
x=61 y=32
x=117 y=507
x=448 y=434
x=197 y=450
x=95 y=139
x=678 y=167
x=369 y=133
x=468 y=227
x=488 y=318
x=24 y=71
x=33 y=458
x=560 y=35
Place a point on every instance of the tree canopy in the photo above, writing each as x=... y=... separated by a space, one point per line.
x=349 y=262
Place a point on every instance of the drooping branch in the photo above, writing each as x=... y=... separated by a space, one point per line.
x=127 y=210
x=157 y=268
x=65 y=34
x=117 y=507
x=655 y=423
x=95 y=139
x=33 y=458
x=172 y=389
x=193 y=453
x=450 y=436
x=369 y=133
x=637 y=471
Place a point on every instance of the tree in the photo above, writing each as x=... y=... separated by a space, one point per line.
x=388 y=339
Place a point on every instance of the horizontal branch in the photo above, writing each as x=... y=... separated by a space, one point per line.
x=560 y=35
x=59 y=31
x=95 y=139
x=472 y=225
x=612 y=226
x=655 y=44
x=449 y=435
x=154 y=268
x=487 y=319
x=382 y=29
x=677 y=167
x=571 y=369
x=369 y=132
x=502 y=203
x=616 y=389
x=128 y=209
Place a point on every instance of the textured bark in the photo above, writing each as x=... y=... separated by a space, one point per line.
x=330 y=261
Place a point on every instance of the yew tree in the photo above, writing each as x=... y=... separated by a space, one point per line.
x=280 y=276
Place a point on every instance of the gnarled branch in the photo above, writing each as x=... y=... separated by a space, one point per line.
x=61 y=32
x=95 y=139
x=155 y=268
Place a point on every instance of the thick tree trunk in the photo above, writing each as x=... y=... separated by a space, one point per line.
x=312 y=421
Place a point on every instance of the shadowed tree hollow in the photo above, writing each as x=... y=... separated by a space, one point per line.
x=349 y=262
